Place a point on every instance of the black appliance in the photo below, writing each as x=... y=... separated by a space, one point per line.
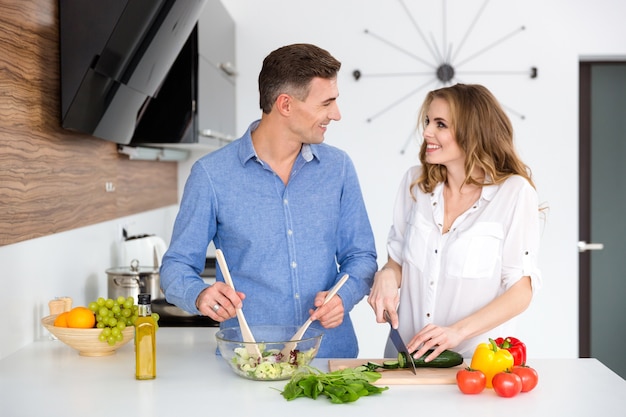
x=127 y=63
x=172 y=316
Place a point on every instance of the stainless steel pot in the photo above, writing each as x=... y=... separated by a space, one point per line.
x=131 y=281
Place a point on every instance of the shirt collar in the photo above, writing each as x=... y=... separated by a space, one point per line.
x=487 y=192
x=309 y=152
x=247 y=152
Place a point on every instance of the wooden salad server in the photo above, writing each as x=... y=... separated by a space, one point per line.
x=248 y=338
x=291 y=345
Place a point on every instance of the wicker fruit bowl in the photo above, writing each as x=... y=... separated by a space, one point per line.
x=86 y=341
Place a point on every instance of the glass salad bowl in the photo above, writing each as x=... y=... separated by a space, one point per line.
x=272 y=365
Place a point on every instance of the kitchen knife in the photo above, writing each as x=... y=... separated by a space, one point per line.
x=399 y=343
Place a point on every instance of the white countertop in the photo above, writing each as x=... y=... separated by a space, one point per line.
x=48 y=378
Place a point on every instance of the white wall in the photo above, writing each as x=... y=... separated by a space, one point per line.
x=558 y=34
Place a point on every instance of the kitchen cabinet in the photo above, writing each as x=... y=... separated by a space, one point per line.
x=216 y=73
x=48 y=378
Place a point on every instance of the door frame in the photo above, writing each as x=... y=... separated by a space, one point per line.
x=584 y=208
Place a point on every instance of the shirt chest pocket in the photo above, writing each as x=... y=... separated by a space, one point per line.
x=477 y=252
x=417 y=234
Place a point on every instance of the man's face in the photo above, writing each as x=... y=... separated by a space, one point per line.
x=310 y=118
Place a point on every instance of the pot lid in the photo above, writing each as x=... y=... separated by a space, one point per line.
x=133 y=270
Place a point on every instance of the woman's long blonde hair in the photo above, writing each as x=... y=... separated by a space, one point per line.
x=482 y=130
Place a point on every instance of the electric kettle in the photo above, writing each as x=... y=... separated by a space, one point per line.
x=147 y=249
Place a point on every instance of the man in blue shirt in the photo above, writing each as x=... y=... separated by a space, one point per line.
x=285 y=209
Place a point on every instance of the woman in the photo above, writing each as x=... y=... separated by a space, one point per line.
x=462 y=251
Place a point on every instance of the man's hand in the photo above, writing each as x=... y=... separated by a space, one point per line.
x=219 y=301
x=331 y=314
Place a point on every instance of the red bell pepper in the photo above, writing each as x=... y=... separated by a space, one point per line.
x=515 y=346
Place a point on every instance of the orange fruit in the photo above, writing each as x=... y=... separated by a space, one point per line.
x=61 y=320
x=81 y=317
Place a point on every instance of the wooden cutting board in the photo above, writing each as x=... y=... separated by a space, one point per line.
x=402 y=376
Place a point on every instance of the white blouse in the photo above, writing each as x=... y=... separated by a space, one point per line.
x=446 y=277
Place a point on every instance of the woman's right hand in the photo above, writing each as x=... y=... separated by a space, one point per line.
x=384 y=294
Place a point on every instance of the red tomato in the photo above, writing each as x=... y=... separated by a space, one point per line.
x=470 y=381
x=528 y=376
x=507 y=384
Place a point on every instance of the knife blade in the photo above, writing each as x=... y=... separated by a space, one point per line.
x=395 y=337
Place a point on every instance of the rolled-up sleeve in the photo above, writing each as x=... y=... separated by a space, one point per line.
x=521 y=247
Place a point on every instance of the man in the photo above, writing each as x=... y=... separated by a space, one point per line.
x=285 y=209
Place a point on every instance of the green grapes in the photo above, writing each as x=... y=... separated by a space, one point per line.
x=113 y=316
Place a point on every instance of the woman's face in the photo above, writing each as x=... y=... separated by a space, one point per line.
x=441 y=145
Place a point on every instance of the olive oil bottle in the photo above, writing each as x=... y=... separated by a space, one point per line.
x=145 y=340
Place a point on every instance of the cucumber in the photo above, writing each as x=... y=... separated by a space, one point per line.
x=446 y=359
x=388 y=364
x=402 y=360
x=391 y=365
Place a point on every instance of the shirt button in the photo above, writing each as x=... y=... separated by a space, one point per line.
x=432 y=283
x=290 y=232
x=436 y=251
x=285 y=201
x=427 y=314
x=294 y=265
x=297 y=296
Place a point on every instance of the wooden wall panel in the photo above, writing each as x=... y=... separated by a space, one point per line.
x=51 y=179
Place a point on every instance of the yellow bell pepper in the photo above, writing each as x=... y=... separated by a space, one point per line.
x=490 y=359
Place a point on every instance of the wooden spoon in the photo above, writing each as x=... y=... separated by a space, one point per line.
x=286 y=351
x=246 y=333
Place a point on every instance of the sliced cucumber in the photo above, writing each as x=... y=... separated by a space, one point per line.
x=402 y=360
x=372 y=366
x=391 y=364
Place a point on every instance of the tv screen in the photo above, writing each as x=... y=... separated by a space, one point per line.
x=115 y=58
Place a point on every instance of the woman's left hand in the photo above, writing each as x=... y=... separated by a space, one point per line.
x=434 y=337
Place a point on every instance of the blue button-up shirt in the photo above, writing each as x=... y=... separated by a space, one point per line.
x=283 y=243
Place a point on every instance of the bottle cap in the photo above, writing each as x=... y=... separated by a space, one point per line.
x=143 y=298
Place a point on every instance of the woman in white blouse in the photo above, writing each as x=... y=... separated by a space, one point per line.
x=462 y=251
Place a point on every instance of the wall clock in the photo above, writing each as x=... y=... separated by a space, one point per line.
x=440 y=61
